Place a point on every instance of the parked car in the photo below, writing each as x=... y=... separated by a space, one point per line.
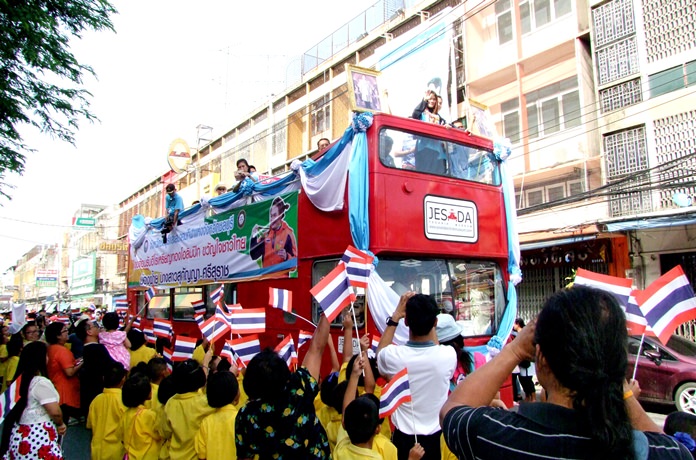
x=666 y=373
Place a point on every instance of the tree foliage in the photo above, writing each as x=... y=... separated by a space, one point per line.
x=40 y=78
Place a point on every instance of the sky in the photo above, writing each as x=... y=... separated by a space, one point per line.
x=170 y=66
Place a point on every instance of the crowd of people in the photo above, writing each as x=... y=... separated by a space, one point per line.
x=208 y=408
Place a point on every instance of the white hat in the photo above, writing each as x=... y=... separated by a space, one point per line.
x=447 y=328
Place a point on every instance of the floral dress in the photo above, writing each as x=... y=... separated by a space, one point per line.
x=285 y=428
x=35 y=436
x=114 y=343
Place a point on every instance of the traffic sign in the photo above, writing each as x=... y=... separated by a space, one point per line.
x=85 y=222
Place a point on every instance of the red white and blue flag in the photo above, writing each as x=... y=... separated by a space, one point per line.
x=303 y=338
x=200 y=320
x=635 y=321
x=198 y=307
x=228 y=352
x=280 y=299
x=375 y=343
x=121 y=312
x=333 y=292
x=162 y=327
x=183 y=348
x=358 y=269
x=63 y=319
x=149 y=294
x=149 y=335
x=217 y=294
x=286 y=350
x=355 y=253
x=136 y=322
x=213 y=329
x=224 y=316
x=394 y=394
x=668 y=302
x=234 y=306
x=246 y=347
x=167 y=355
x=9 y=398
x=248 y=321
x=620 y=288
x=121 y=302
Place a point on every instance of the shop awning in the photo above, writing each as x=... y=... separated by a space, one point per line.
x=558 y=242
x=651 y=222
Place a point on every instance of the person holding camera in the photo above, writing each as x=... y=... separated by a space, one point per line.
x=174 y=204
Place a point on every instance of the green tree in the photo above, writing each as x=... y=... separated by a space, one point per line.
x=40 y=79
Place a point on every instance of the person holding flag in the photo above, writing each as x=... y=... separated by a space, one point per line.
x=430 y=369
x=283 y=404
x=579 y=345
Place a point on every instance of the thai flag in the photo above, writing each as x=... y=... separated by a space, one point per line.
x=280 y=299
x=286 y=350
x=375 y=343
x=136 y=322
x=234 y=306
x=224 y=316
x=214 y=329
x=246 y=347
x=121 y=311
x=183 y=348
x=75 y=309
x=198 y=307
x=333 y=292
x=162 y=327
x=620 y=288
x=149 y=335
x=395 y=393
x=304 y=337
x=358 y=270
x=635 y=321
x=248 y=321
x=228 y=351
x=121 y=302
x=149 y=294
x=167 y=354
x=63 y=319
x=668 y=302
x=9 y=398
x=354 y=253
x=217 y=294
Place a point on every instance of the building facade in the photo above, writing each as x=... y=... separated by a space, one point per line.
x=597 y=99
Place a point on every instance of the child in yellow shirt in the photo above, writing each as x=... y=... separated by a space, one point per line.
x=157 y=370
x=105 y=415
x=138 y=429
x=215 y=438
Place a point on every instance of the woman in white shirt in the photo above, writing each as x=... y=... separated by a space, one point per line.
x=36 y=419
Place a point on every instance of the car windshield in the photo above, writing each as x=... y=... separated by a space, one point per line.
x=682 y=346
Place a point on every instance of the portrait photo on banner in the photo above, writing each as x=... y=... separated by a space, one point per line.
x=365 y=93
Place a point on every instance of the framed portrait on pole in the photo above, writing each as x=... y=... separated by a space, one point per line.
x=365 y=93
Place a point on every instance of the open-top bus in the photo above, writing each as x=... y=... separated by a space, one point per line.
x=425 y=199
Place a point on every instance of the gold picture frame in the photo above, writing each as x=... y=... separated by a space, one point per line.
x=364 y=91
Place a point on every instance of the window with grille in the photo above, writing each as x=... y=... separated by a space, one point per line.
x=280 y=133
x=625 y=152
x=548 y=193
x=321 y=115
x=535 y=197
x=622 y=95
x=616 y=54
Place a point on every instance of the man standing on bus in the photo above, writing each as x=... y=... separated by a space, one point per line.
x=430 y=368
x=174 y=204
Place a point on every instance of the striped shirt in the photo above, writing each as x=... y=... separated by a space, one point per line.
x=538 y=431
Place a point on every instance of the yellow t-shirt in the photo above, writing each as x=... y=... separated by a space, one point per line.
x=10 y=370
x=347 y=451
x=445 y=453
x=139 y=434
x=160 y=423
x=142 y=355
x=153 y=403
x=330 y=419
x=185 y=412
x=242 y=395
x=104 y=417
x=215 y=437
x=380 y=444
x=385 y=429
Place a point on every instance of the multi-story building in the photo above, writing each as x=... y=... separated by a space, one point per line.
x=596 y=98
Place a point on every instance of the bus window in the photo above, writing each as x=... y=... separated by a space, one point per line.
x=404 y=150
x=158 y=306
x=319 y=270
x=183 y=297
x=471 y=291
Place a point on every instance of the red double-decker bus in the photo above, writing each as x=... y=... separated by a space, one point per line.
x=435 y=219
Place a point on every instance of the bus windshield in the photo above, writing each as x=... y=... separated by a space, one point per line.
x=418 y=152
